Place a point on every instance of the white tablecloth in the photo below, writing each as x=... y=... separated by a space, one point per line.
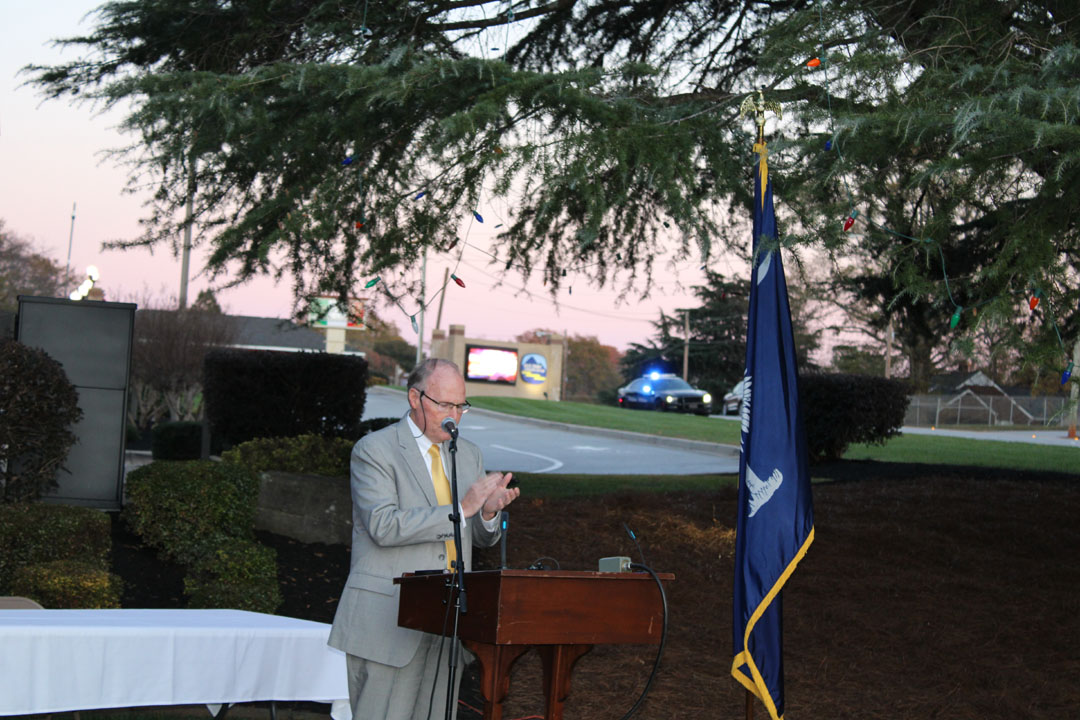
x=63 y=660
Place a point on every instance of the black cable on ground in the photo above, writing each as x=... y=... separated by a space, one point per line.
x=663 y=639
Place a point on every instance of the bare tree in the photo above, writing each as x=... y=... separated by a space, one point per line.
x=24 y=271
x=167 y=359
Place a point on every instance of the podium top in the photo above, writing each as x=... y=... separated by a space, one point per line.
x=539 y=607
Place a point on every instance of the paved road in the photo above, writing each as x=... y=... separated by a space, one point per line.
x=518 y=444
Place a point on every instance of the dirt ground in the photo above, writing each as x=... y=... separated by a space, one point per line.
x=929 y=592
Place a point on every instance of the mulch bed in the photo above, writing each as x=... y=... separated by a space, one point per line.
x=929 y=592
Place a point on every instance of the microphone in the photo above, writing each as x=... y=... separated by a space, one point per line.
x=450 y=428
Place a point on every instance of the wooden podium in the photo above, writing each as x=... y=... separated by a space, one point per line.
x=560 y=613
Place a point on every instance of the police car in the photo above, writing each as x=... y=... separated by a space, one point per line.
x=664 y=391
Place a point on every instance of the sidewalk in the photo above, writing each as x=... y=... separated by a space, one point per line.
x=1034 y=435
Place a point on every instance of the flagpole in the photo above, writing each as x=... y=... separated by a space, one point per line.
x=785 y=525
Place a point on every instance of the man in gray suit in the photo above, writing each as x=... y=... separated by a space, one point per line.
x=401 y=508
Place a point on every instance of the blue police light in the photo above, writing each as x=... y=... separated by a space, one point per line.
x=647 y=389
x=654 y=375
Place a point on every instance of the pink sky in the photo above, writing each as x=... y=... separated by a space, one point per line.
x=51 y=157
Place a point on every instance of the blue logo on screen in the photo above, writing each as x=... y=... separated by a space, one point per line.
x=534 y=369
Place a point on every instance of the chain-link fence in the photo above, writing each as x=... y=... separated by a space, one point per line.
x=970 y=408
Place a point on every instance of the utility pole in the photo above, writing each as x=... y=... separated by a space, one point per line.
x=185 y=257
x=442 y=296
x=686 y=343
x=888 y=349
x=1074 y=391
x=423 y=305
x=565 y=356
x=189 y=218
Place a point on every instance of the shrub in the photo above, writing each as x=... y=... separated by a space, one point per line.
x=184 y=509
x=306 y=454
x=839 y=410
x=259 y=394
x=177 y=441
x=34 y=533
x=370 y=426
x=237 y=574
x=68 y=584
x=38 y=406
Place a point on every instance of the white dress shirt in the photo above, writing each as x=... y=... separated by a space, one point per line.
x=424 y=444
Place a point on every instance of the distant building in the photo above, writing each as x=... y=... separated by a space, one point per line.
x=975 y=399
x=259 y=333
x=958 y=381
x=504 y=368
x=7 y=325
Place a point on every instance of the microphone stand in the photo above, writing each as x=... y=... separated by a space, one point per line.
x=458 y=580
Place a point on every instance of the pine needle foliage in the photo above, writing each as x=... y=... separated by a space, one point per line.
x=307 y=130
x=334 y=141
x=954 y=134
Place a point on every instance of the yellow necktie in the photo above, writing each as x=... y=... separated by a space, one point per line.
x=442 y=494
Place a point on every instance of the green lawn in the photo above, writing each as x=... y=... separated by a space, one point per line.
x=963 y=451
x=691 y=427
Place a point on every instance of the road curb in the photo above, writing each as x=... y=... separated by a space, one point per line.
x=678 y=443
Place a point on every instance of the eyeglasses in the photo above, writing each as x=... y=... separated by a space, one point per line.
x=447 y=406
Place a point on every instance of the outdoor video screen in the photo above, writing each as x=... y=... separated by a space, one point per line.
x=491 y=364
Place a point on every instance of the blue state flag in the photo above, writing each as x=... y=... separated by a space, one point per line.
x=776 y=514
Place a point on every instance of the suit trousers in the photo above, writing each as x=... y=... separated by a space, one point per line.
x=384 y=692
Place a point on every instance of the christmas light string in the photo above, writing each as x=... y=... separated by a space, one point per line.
x=476 y=216
x=544 y=298
x=833 y=144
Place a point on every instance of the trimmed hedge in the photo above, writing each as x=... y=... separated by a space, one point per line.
x=839 y=410
x=186 y=509
x=38 y=406
x=65 y=584
x=303 y=455
x=370 y=426
x=177 y=441
x=239 y=574
x=34 y=533
x=259 y=394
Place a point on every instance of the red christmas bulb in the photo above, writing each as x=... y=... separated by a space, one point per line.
x=458 y=280
x=813 y=62
x=850 y=220
x=359 y=224
x=1034 y=301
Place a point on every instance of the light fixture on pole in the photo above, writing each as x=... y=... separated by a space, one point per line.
x=87 y=285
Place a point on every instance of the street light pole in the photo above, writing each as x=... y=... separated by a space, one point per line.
x=71 y=237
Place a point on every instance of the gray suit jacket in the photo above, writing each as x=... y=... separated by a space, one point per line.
x=397 y=527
